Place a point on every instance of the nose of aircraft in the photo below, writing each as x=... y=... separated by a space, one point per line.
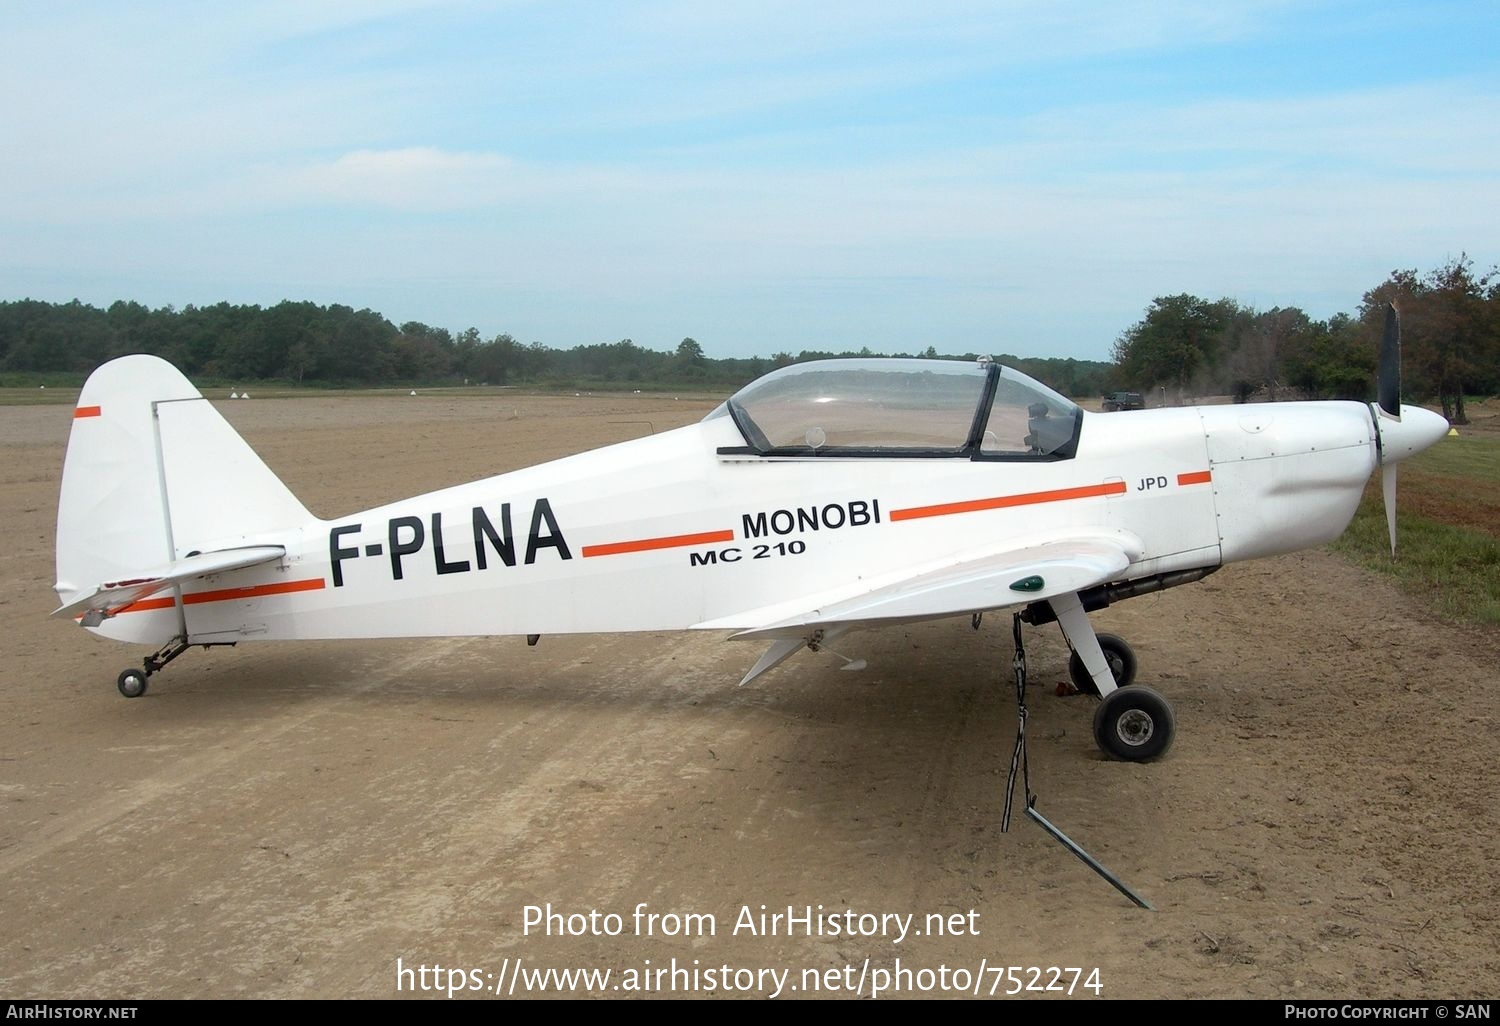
x=1416 y=430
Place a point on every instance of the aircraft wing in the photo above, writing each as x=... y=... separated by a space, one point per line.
x=993 y=578
x=109 y=597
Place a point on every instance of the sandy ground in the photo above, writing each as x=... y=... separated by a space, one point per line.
x=290 y=820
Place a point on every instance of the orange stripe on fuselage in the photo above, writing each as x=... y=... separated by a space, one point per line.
x=227 y=595
x=647 y=544
x=1007 y=501
x=86 y=411
x=1197 y=477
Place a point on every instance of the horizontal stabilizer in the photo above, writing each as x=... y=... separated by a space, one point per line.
x=112 y=596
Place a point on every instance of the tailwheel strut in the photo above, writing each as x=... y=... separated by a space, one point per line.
x=158 y=660
x=132 y=681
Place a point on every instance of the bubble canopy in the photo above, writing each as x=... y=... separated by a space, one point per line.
x=905 y=408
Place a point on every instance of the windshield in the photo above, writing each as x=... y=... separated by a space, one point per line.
x=1028 y=419
x=903 y=407
x=922 y=405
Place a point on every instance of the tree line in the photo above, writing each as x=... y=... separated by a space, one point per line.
x=1183 y=346
x=1450 y=332
x=305 y=343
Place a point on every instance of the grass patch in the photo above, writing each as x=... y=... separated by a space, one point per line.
x=1447 y=529
x=35 y=396
x=1456 y=569
x=1463 y=456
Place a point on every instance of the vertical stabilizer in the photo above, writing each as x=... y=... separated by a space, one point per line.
x=153 y=473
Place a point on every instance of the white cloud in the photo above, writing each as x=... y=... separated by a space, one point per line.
x=418 y=178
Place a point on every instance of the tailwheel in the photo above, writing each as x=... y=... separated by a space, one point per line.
x=1117 y=653
x=132 y=683
x=1134 y=723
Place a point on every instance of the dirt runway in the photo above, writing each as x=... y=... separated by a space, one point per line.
x=290 y=820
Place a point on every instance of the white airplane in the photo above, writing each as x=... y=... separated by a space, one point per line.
x=821 y=498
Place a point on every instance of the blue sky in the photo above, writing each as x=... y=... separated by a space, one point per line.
x=990 y=177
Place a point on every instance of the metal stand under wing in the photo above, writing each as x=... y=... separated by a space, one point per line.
x=1018 y=762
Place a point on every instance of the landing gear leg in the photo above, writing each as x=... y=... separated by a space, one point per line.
x=1132 y=722
x=1117 y=653
x=1084 y=643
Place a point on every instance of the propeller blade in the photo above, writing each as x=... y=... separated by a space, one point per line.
x=1388 y=486
x=1389 y=379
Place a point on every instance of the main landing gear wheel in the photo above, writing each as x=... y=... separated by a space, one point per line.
x=1134 y=724
x=1117 y=653
x=132 y=683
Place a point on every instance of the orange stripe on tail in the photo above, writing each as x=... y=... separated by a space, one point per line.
x=227 y=595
